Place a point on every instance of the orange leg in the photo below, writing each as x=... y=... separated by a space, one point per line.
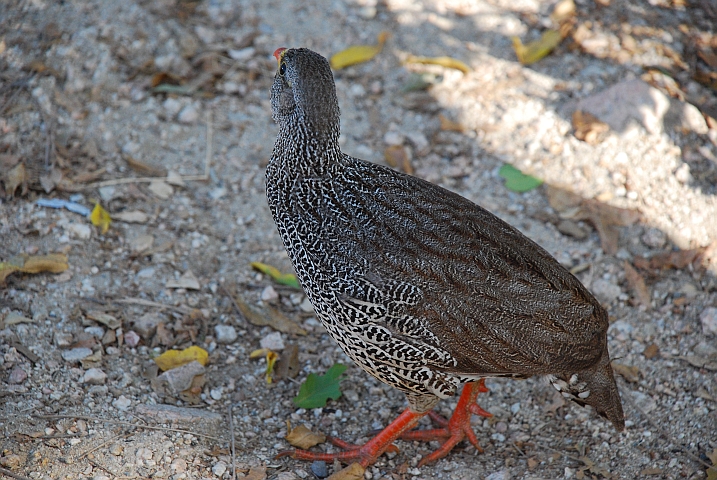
x=367 y=453
x=457 y=427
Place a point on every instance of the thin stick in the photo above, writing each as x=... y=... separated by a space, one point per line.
x=128 y=424
x=185 y=178
x=103 y=444
x=12 y=474
x=231 y=429
x=149 y=303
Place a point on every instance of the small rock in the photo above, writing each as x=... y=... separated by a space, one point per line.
x=178 y=465
x=225 y=334
x=172 y=106
x=187 y=281
x=273 y=341
x=79 y=230
x=17 y=376
x=133 y=216
x=146 y=272
x=219 y=468
x=499 y=475
x=269 y=294
x=654 y=238
x=501 y=427
x=146 y=325
x=682 y=173
x=606 y=291
x=116 y=449
x=189 y=114
x=97 y=332
x=107 y=193
x=644 y=402
x=708 y=317
x=515 y=408
x=122 y=403
x=306 y=306
x=131 y=339
x=178 y=379
x=100 y=477
x=62 y=339
x=161 y=189
x=393 y=138
x=319 y=469
x=76 y=354
x=216 y=393
x=141 y=243
x=569 y=227
x=94 y=376
x=420 y=141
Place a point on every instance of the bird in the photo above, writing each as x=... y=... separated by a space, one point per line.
x=422 y=288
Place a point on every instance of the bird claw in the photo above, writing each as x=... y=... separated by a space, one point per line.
x=455 y=429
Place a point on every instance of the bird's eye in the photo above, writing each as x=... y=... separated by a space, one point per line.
x=282 y=69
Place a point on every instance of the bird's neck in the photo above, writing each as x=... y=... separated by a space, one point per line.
x=301 y=151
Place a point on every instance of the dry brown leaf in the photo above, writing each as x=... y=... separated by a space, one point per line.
x=268 y=316
x=353 y=472
x=557 y=402
x=50 y=180
x=288 y=364
x=629 y=373
x=397 y=157
x=708 y=363
x=255 y=473
x=15 y=178
x=562 y=200
x=637 y=285
x=651 y=351
x=449 y=125
x=145 y=168
x=302 y=437
x=86 y=177
x=104 y=318
x=589 y=128
x=678 y=259
x=606 y=218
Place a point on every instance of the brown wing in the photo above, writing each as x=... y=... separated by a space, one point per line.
x=491 y=297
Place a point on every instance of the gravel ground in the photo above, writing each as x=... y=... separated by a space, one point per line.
x=633 y=215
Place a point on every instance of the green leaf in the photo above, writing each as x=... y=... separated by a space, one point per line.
x=288 y=279
x=517 y=181
x=317 y=389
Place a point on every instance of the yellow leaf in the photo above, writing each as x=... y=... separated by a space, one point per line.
x=258 y=353
x=281 y=278
x=53 y=263
x=100 y=218
x=447 y=62
x=271 y=358
x=302 y=437
x=357 y=53
x=176 y=358
x=538 y=49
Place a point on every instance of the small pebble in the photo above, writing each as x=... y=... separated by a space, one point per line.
x=269 y=294
x=219 y=469
x=94 y=376
x=188 y=114
x=116 y=449
x=708 y=318
x=225 y=334
x=319 y=469
x=273 y=341
x=17 y=376
x=76 y=354
x=122 y=403
x=131 y=339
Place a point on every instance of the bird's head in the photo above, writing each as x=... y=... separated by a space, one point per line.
x=303 y=94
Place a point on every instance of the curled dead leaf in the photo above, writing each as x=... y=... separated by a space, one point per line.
x=302 y=437
x=637 y=285
x=353 y=472
x=589 y=128
x=629 y=373
x=15 y=178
